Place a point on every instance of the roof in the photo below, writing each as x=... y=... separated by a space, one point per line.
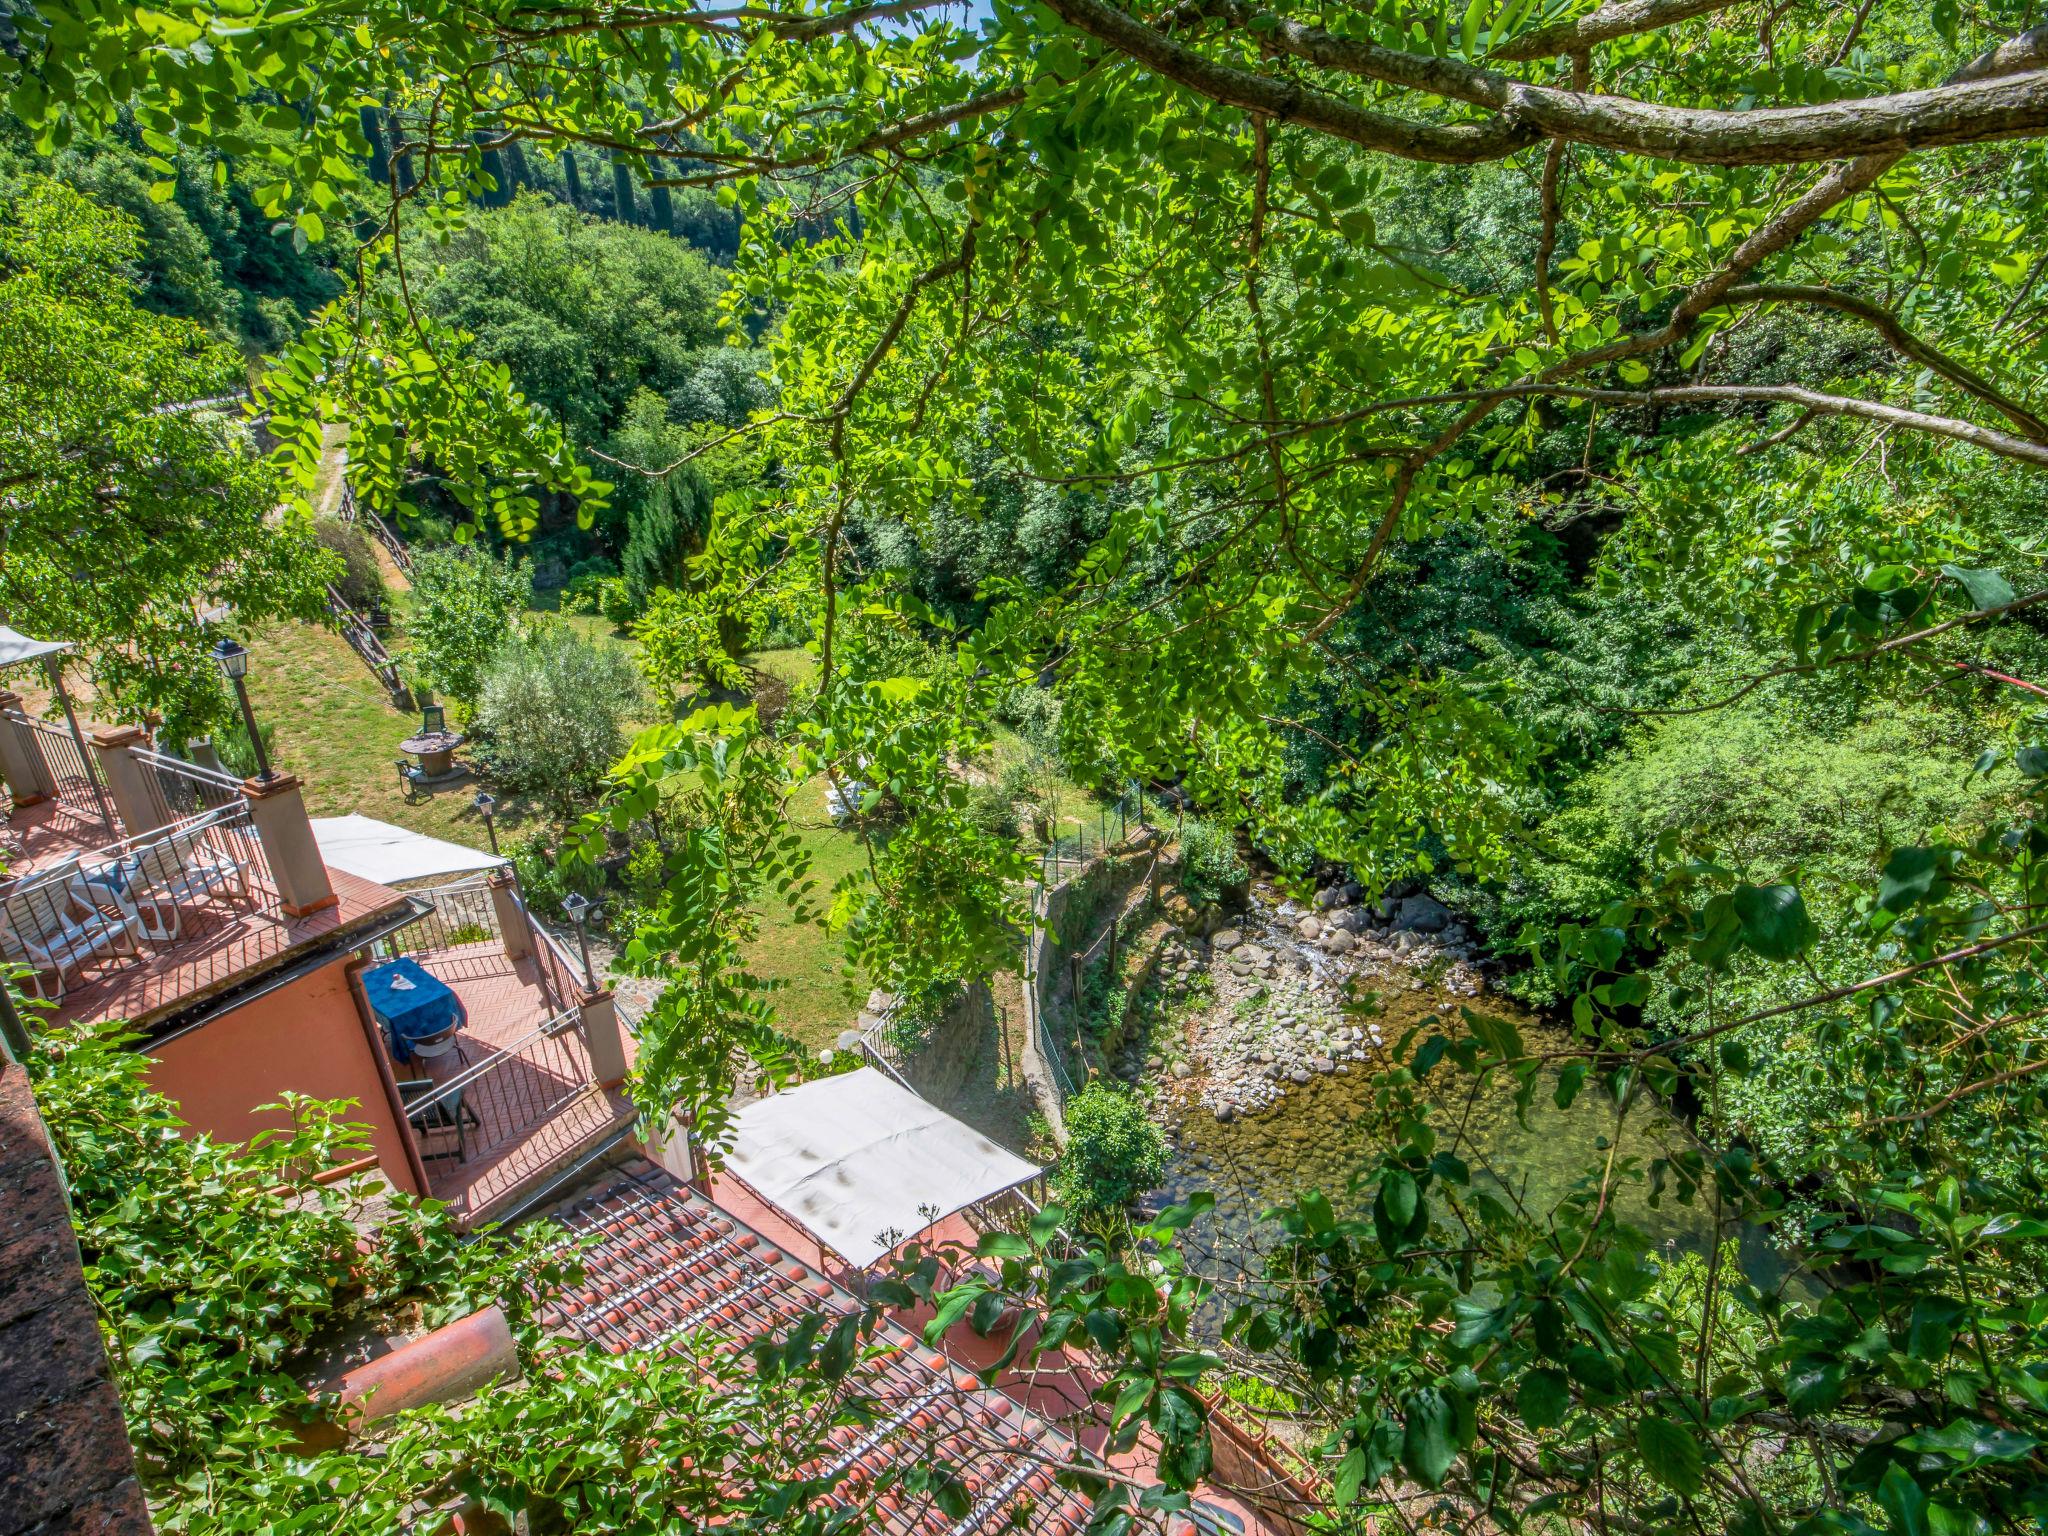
x=15 y=647
x=376 y=850
x=862 y=1163
x=668 y=1267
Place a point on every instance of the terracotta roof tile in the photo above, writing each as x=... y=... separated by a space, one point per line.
x=667 y=1264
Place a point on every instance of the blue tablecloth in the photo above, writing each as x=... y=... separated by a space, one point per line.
x=412 y=1004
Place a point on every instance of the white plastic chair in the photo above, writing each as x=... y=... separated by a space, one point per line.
x=181 y=868
x=54 y=926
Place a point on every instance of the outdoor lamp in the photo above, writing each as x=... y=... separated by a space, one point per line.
x=433 y=719
x=234 y=665
x=485 y=804
x=580 y=909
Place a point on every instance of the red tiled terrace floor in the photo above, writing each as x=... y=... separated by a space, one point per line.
x=535 y=1109
x=51 y=831
x=219 y=940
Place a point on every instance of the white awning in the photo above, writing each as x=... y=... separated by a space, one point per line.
x=15 y=647
x=861 y=1163
x=376 y=850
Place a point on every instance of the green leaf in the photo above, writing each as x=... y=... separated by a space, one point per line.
x=1909 y=876
x=1543 y=1398
x=1904 y=1500
x=1773 y=920
x=1350 y=1475
x=1671 y=1454
x=1987 y=589
x=1429 y=1436
x=1970 y=1441
x=1399 y=1198
x=1633 y=372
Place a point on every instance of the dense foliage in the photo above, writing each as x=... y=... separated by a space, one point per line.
x=127 y=513
x=551 y=714
x=464 y=602
x=1583 y=456
x=1114 y=1153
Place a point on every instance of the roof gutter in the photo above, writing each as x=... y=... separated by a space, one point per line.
x=182 y=1022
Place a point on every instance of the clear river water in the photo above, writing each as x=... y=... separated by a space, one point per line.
x=1316 y=1138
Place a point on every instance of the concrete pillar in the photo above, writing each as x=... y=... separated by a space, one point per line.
x=504 y=889
x=21 y=760
x=611 y=1052
x=279 y=813
x=136 y=799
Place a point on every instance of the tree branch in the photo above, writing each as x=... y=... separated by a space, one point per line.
x=1620 y=19
x=1901 y=340
x=1969 y=109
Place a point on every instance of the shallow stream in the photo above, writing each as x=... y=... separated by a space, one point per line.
x=1317 y=1137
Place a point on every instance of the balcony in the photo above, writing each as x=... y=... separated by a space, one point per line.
x=133 y=928
x=522 y=1100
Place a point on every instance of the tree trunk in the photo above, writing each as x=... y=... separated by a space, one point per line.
x=380 y=153
x=574 y=179
x=623 y=208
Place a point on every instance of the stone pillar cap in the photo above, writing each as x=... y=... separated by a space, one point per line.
x=277 y=784
x=117 y=735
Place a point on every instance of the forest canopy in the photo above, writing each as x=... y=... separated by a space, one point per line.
x=1587 y=455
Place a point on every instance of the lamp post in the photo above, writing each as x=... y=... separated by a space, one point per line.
x=485 y=804
x=234 y=665
x=580 y=907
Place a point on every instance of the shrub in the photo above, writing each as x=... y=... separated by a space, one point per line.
x=551 y=714
x=541 y=882
x=992 y=809
x=1114 y=1152
x=1209 y=866
x=591 y=590
x=463 y=602
x=615 y=602
x=1034 y=713
x=361 y=583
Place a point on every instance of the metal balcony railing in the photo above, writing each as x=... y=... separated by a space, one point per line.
x=143 y=897
x=70 y=769
x=497 y=1102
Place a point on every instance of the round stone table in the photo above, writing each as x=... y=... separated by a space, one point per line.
x=436 y=752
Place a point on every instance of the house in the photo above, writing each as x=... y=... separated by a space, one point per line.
x=198 y=908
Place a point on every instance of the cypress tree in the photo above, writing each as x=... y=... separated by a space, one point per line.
x=661 y=207
x=624 y=209
x=515 y=162
x=380 y=153
x=501 y=183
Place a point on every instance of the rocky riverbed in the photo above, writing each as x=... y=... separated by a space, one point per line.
x=1296 y=988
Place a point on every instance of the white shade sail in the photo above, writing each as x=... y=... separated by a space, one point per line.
x=15 y=648
x=376 y=850
x=862 y=1163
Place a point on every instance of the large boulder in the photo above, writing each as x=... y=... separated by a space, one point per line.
x=1308 y=928
x=1181 y=912
x=1422 y=914
x=1352 y=920
x=1335 y=941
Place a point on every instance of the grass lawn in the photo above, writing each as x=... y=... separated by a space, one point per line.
x=813 y=1002
x=337 y=729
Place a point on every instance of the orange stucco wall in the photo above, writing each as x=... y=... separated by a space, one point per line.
x=306 y=1037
